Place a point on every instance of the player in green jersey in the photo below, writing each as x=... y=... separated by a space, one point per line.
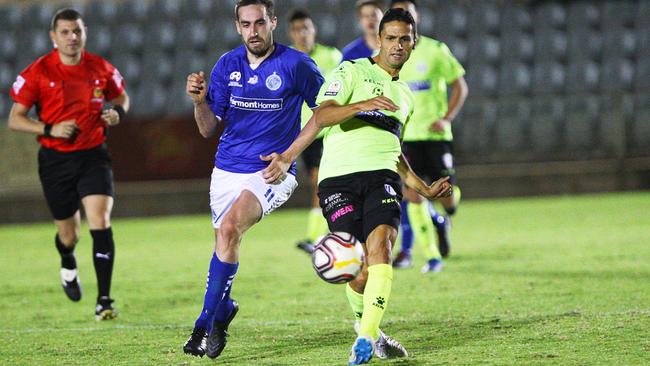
x=363 y=109
x=428 y=142
x=302 y=33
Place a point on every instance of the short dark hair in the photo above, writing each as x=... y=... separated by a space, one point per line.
x=399 y=15
x=298 y=14
x=376 y=3
x=64 y=14
x=393 y=2
x=268 y=4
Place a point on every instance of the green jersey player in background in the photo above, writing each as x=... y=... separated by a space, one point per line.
x=428 y=143
x=363 y=108
x=302 y=33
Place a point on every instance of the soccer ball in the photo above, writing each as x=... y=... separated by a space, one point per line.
x=337 y=257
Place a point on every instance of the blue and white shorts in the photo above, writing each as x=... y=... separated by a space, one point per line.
x=225 y=188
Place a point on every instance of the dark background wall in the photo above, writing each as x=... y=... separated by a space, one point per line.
x=559 y=93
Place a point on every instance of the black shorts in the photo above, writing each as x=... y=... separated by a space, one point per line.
x=357 y=203
x=312 y=154
x=431 y=160
x=67 y=177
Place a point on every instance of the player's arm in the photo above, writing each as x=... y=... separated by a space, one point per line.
x=121 y=105
x=197 y=89
x=438 y=189
x=459 y=92
x=20 y=121
x=331 y=113
x=280 y=163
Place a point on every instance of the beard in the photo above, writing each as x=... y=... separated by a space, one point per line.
x=261 y=48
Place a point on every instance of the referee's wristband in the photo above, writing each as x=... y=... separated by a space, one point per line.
x=120 y=112
x=47 y=130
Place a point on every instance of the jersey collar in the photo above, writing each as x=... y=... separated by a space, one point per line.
x=393 y=78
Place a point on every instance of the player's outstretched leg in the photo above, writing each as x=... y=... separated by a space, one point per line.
x=403 y=259
x=69 y=272
x=218 y=337
x=441 y=224
x=196 y=344
x=362 y=351
x=423 y=231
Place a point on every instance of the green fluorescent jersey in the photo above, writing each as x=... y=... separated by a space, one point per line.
x=428 y=71
x=369 y=140
x=327 y=59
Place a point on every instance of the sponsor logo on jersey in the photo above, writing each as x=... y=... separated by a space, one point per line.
x=256 y=104
x=419 y=85
x=117 y=78
x=98 y=96
x=253 y=80
x=333 y=89
x=235 y=76
x=273 y=82
x=18 y=84
x=421 y=67
x=390 y=189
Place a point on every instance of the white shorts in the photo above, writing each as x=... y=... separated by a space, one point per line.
x=225 y=187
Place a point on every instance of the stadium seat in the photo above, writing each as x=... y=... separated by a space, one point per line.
x=327 y=25
x=222 y=34
x=129 y=66
x=583 y=76
x=11 y=16
x=515 y=79
x=640 y=131
x=190 y=9
x=515 y=19
x=160 y=36
x=7 y=46
x=512 y=119
x=129 y=38
x=583 y=15
x=549 y=77
x=551 y=44
x=182 y=104
x=450 y=19
x=458 y=48
x=165 y=10
x=482 y=79
x=98 y=12
x=193 y=35
x=99 y=40
x=550 y=15
x=133 y=11
x=617 y=74
x=38 y=16
x=548 y=114
x=157 y=67
x=7 y=77
x=428 y=19
x=38 y=43
x=484 y=19
x=583 y=123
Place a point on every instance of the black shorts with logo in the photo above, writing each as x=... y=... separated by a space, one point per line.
x=357 y=203
x=312 y=154
x=67 y=177
x=431 y=160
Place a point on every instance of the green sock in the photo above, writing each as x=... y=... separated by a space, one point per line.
x=375 y=299
x=356 y=301
x=315 y=224
x=423 y=230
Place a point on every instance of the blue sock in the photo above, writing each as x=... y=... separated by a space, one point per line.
x=225 y=306
x=218 y=283
x=407 y=232
x=438 y=219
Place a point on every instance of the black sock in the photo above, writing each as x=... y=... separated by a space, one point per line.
x=103 y=256
x=67 y=254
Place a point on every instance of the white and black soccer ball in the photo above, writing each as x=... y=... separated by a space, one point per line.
x=337 y=258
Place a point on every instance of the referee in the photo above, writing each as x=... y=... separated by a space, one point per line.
x=69 y=87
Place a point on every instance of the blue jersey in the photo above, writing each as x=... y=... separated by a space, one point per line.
x=356 y=49
x=261 y=107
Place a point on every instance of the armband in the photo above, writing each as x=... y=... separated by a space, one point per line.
x=120 y=112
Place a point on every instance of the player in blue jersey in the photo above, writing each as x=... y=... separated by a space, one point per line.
x=369 y=13
x=255 y=93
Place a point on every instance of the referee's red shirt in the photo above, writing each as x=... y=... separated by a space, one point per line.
x=62 y=92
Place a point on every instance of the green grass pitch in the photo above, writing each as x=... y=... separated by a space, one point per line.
x=542 y=281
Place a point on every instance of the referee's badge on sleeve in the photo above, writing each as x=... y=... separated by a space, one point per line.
x=333 y=89
x=18 y=84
